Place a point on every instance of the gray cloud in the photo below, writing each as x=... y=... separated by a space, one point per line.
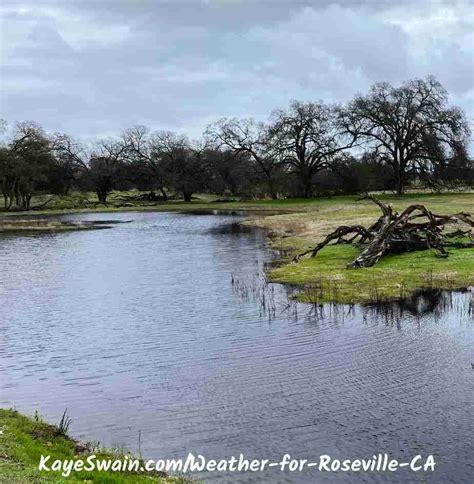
x=92 y=68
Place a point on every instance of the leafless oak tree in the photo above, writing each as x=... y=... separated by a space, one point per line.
x=306 y=138
x=411 y=127
x=145 y=149
x=249 y=137
x=102 y=165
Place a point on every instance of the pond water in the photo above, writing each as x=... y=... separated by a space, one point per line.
x=164 y=326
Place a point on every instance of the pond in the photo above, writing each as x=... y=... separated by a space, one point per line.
x=166 y=326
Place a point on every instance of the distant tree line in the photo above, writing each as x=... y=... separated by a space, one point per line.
x=387 y=139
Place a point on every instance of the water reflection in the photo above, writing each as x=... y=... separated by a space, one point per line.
x=167 y=326
x=429 y=302
x=432 y=303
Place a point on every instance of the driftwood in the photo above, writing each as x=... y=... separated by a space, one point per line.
x=416 y=228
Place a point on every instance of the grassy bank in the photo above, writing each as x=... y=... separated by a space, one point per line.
x=326 y=278
x=23 y=440
x=297 y=224
x=13 y=225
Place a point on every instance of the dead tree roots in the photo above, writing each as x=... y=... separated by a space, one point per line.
x=416 y=228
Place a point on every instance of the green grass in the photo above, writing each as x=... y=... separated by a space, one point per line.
x=327 y=279
x=87 y=202
x=23 y=440
x=296 y=224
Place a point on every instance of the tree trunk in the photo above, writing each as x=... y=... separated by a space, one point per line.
x=164 y=194
x=307 y=187
x=102 y=196
x=271 y=188
x=187 y=196
x=400 y=182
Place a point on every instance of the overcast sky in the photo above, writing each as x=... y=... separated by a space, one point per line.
x=94 y=67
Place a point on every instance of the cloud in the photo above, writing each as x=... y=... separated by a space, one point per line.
x=93 y=68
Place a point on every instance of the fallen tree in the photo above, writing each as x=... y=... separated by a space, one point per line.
x=416 y=228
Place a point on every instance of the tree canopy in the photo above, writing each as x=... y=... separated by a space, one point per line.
x=387 y=139
x=411 y=128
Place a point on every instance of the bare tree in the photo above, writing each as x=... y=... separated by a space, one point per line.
x=306 y=138
x=102 y=166
x=411 y=127
x=246 y=136
x=74 y=155
x=105 y=167
x=24 y=164
x=184 y=162
x=145 y=149
x=67 y=163
x=229 y=173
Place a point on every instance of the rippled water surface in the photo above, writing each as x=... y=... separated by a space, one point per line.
x=139 y=327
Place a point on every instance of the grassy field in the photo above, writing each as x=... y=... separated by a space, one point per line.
x=297 y=224
x=23 y=440
x=326 y=278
